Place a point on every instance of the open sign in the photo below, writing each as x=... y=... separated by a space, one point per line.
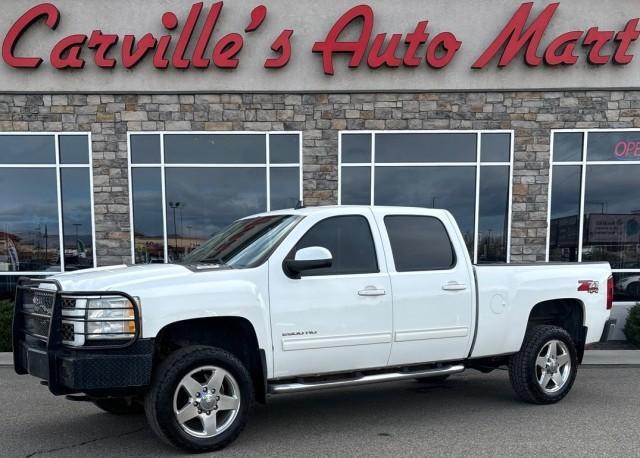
x=627 y=149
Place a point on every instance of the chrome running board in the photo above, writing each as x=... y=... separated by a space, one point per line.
x=297 y=387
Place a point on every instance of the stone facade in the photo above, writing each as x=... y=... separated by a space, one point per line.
x=320 y=117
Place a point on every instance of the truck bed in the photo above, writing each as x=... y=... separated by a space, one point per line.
x=505 y=294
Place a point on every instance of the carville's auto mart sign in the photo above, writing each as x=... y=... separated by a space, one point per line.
x=305 y=45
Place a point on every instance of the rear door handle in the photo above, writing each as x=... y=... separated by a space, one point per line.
x=371 y=291
x=454 y=286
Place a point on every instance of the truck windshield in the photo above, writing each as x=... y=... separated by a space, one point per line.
x=245 y=243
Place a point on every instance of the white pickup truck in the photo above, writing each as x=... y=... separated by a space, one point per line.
x=299 y=300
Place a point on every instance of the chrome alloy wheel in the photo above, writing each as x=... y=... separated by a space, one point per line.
x=206 y=401
x=553 y=366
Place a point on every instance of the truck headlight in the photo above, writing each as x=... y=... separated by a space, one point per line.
x=110 y=318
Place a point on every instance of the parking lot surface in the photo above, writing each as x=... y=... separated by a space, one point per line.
x=470 y=415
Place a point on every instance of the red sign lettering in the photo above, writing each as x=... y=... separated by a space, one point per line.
x=66 y=53
x=625 y=149
x=560 y=51
x=523 y=34
x=102 y=44
x=282 y=46
x=51 y=17
x=513 y=37
x=439 y=52
x=624 y=39
x=597 y=39
x=357 y=49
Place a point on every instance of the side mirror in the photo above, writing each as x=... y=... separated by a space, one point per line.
x=313 y=257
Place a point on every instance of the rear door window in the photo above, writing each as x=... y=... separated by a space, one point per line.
x=419 y=243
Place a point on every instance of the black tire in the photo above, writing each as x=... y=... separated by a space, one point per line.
x=120 y=406
x=433 y=380
x=522 y=366
x=634 y=289
x=160 y=398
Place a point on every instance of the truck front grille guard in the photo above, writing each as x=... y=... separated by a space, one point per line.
x=38 y=314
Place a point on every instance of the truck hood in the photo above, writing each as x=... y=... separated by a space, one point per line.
x=120 y=278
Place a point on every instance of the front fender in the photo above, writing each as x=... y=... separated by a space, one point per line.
x=232 y=293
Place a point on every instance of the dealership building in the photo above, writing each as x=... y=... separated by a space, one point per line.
x=133 y=131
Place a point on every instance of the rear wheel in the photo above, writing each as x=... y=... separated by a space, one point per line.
x=544 y=370
x=200 y=399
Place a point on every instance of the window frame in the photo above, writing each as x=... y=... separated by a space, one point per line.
x=292 y=253
x=58 y=166
x=583 y=163
x=454 y=255
x=163 y=165
x=478 y=164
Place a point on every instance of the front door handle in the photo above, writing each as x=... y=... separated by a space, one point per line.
x=371 y=291
x=454 y=286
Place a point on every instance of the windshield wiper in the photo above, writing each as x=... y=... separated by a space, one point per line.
x=217 y=260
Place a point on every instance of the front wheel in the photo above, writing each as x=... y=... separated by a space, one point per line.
x=544 y=370
x=200 y=399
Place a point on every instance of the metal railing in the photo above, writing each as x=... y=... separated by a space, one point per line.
x=47 y=316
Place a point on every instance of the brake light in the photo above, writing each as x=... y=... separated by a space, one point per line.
x=610 y=293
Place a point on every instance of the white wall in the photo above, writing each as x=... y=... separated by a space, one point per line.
x=474 y=22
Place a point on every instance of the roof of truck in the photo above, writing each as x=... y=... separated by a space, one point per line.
x=375 y=208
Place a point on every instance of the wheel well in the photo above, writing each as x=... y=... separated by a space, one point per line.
x=233 y=334
x=633 y=284
x=564 y=313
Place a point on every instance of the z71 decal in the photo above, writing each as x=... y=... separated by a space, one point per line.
x=589 y=286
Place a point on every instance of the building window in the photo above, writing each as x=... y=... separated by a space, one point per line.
x=466 y=172
x=185 y=187
x=594 y=209
x=47 y=203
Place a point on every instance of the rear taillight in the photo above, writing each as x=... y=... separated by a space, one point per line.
x=610 y=293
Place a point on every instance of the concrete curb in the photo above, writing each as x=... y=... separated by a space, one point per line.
x=591 y=358
x=611 y=357
x=6 y=359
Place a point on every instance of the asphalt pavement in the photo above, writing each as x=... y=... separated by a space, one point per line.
x=471 y=414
